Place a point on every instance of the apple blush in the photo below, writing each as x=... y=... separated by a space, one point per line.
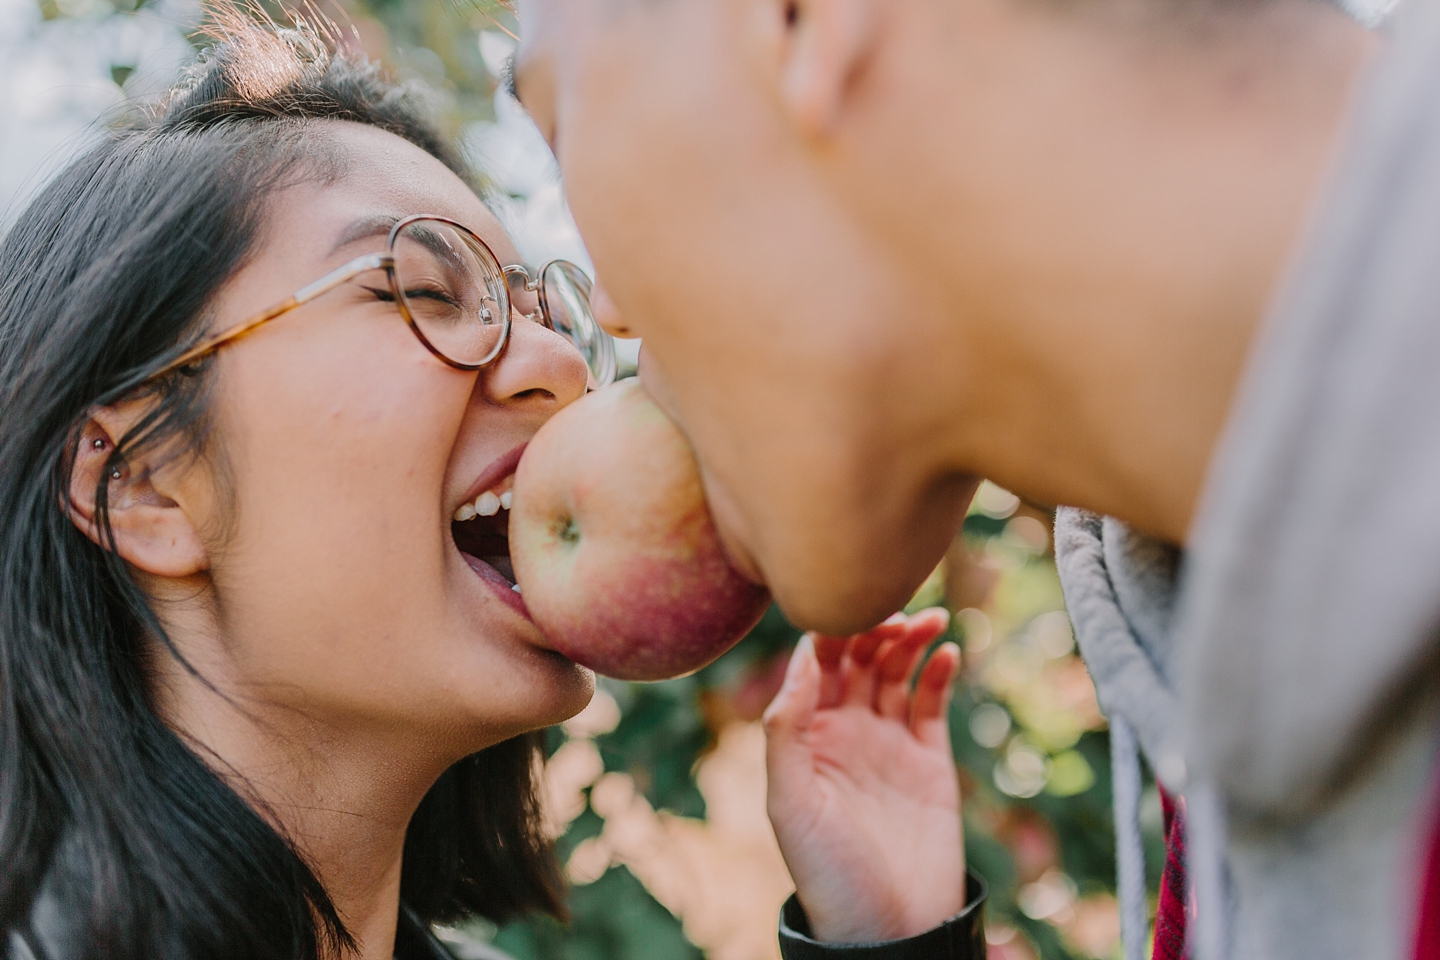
x=616 y=555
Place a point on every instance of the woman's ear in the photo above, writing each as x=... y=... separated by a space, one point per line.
x=148 y=527
x=826 y=44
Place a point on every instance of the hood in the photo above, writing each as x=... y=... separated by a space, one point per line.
x=1308 y=619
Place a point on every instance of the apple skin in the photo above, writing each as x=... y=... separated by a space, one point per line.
x=613 y=546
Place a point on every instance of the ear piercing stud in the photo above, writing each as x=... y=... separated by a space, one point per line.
x=99 y=444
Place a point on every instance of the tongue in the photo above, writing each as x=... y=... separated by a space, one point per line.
x=502 y=564
x=485 y=543
x=486 y=572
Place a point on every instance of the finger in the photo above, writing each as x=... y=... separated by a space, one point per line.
x=899 y=660
x=789 y=761
x=828 y=650
x=930 y=708
x=864 y=646
x=790 y=714
x=830 y=655
x=861 y=660
x=896 y=664
x=932 y=621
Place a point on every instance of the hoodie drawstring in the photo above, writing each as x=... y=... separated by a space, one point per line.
x=1129 y=844
x=1206 y=828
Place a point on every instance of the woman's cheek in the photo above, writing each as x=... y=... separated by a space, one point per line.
x=338 y=469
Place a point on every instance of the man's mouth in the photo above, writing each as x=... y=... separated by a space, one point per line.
x=481 y=525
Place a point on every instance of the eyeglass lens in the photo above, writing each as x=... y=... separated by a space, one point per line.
x=457 y=294
x=453 y=289
x=566 y=293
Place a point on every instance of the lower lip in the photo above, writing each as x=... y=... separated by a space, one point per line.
x=498 y=583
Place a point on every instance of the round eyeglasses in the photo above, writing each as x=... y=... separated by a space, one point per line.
x=561 y=292
x=456 y=298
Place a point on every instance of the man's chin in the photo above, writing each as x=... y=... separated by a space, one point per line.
x=839 y=612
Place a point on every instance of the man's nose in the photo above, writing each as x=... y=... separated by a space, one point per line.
x=607 y=314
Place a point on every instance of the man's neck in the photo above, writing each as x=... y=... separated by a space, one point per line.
x=1136 y=219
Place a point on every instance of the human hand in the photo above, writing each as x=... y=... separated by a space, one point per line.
x=863 y=791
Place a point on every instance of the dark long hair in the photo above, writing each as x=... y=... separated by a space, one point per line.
x=144 y=849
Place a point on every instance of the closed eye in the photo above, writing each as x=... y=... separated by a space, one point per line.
x=429 y=293
x=416 y=293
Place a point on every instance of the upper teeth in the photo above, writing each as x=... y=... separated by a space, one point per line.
x=487 y=504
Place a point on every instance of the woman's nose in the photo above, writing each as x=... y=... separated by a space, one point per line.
x=538 y=366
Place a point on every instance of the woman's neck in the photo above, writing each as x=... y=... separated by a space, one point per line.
x=343 y=796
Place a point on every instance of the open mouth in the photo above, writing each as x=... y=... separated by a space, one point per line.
x=486 y=539
x=481 y=527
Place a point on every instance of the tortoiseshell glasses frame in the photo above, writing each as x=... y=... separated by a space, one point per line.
x=493 y=303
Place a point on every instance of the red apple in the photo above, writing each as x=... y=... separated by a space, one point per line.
x=617 y=557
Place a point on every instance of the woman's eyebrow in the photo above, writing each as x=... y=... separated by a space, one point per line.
x=365 y=228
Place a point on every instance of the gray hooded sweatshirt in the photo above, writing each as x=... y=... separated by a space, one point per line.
x=1284 y=677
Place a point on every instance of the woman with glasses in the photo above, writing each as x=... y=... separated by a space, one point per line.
x=267 y=366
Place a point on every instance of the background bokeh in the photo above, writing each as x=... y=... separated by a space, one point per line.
x=656 y=792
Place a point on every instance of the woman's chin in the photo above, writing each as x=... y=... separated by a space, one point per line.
x=579 y=690
x=543 y=688
x=545 y=685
